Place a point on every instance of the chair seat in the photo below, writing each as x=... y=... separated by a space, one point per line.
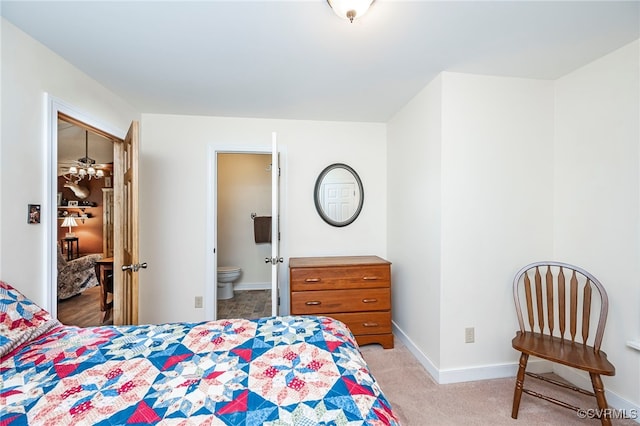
x=572 y=354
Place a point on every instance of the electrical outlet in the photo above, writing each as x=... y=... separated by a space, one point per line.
x=198 y=302
x=469 y=335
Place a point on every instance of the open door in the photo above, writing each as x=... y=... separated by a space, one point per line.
x=276 y=260
x=125 y=234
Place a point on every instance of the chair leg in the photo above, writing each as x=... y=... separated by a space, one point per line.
x=598 y=389
x=105 y=315
x=517 y=393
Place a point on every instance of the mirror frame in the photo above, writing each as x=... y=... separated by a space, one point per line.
x=316 y=197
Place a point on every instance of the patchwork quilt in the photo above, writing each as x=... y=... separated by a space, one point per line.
x=271 y=371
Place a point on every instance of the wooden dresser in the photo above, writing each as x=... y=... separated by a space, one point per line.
x=353 y=289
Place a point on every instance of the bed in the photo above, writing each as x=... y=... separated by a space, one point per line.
x=288 y=370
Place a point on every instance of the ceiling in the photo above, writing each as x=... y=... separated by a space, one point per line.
x=296 y=59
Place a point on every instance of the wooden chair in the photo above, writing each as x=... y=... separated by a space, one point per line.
x=106 y=289
x=104 y=270
x=554 y=312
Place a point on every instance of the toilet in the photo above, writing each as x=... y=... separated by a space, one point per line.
x=226 y=277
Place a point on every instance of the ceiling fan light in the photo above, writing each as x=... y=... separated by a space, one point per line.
x=350 y=9
x=91 y=171
x=82 y=172
x=73 y=170
x=100 y=173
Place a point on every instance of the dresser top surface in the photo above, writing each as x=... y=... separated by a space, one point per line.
x=331 y=261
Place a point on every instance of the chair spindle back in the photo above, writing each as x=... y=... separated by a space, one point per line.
x=552 y=295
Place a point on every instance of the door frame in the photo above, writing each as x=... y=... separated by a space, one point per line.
x=210 y=288
x=50 y=211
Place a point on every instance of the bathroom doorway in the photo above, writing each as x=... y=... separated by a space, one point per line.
x=244 y=200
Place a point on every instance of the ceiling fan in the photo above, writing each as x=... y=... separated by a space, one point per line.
x=84 y=167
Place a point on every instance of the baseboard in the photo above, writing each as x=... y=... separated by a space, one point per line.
x=495 y=371
x=420 y=356
x=252 y=286
x=499 y=371
x=485 y=372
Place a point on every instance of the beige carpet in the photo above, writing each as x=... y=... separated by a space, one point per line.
x=418 y=400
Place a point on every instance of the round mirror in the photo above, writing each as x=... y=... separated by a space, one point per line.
x=338 y=195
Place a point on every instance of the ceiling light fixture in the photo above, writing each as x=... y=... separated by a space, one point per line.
x=350 y=9
x=84 y=166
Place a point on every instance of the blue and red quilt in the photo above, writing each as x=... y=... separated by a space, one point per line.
x=269 y=371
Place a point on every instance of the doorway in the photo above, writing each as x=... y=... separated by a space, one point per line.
x=85 y=232
x=57 y=109
x=243 y=199
x=271 y=261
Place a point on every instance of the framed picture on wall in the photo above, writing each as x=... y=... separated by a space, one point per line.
x=59 y=198
x=73 y=204
x=33 y=213
x=107 y=181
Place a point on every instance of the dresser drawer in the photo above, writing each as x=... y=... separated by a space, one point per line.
x=353 y=289
x=366 y=276
x=366 y=322
x=329 y=301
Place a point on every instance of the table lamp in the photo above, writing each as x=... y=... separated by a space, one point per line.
x=69 y=221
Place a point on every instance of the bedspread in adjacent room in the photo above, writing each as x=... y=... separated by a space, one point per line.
x=269 y=371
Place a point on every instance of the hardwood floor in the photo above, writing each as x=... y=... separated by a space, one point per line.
x=82 y=310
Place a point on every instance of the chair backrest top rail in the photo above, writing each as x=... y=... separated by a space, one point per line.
x=543 y=269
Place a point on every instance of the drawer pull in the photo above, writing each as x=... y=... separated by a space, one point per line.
x=370 y=324
x=370 y=278
x=312 y=280
x=369 y=300
x=312 y=303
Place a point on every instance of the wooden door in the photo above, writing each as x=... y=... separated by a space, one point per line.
x=125 y=235
x=339 y=200
x=107 y=222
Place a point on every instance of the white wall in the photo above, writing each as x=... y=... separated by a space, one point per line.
x=173 y=160
x=497 y=175
x=244 y=187
x=479 y=208
x=528 y=170
x=28 y=71
x=414 y=218
x=596 y=195
x=176 y=255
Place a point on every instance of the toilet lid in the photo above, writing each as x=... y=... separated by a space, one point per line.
x=228 y=268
